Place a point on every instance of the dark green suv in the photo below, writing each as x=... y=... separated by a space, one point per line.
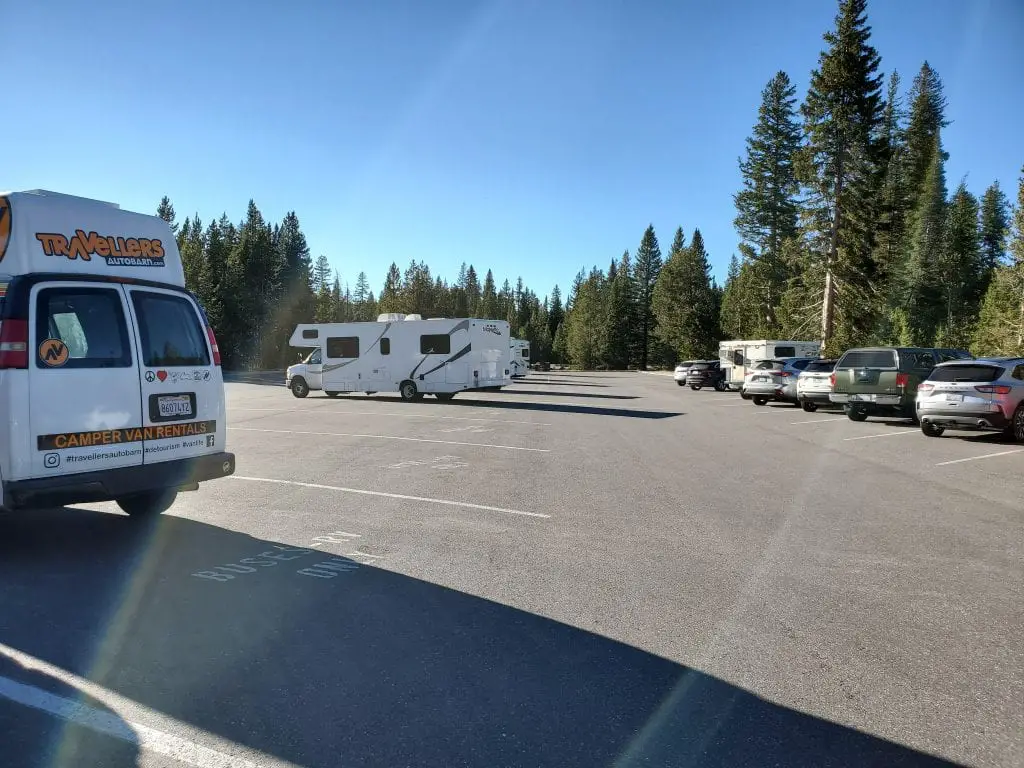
x=878 y=381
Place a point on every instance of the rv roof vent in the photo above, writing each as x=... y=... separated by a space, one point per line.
x=414 y=317
x=390 y=317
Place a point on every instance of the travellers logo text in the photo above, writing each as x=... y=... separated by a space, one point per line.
x=117 y=251
x=491 y=328
x=5 y=225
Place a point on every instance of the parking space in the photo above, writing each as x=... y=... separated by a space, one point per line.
x=581 y=567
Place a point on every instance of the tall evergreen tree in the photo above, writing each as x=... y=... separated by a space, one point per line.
x=646 y=267
x=618 y=328
x=927 y=118
x=923 y=276
x=472 y=288
x=166 y=212
x=556 y=312
x=321 y=274
x=841 y=115
x=766 y=207
x=391 y=295
x=487 y=307
x=685 y=303
x=995 y=225
x=961 y=270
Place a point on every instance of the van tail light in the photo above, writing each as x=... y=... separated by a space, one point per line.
x=213 y=345
x=832 y=380
x=14 y=344
x=995 y=389
x=902 y=379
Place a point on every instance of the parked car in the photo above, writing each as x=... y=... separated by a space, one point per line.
x=883 y=380
x=775 y=380
x=983 y=394
x=706 y=373
x=682 y=369
x=814 y=384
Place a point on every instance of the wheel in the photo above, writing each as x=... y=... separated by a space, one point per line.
x=744 y=395
x=856 y=414
x=332 y=394
x=148 y=503
x=719 y=386
x=760 y=400
x=695 y=387
x=931 y=429
x=681 y=383
x=1016 y=430
x=809 y=406
x=299 y=387
x=444 y=396
x=408 y=391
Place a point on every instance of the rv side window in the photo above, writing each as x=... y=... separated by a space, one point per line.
x=169 y=330
x=526 y=352
x=737 y=357
x=385 y=346
x=785 y=351
x=435 y=344
x=310 y=333
x=342 y=346
x=90 y=322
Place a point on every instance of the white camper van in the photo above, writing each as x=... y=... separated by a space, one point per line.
x=110 y=379
x=736 y=357
x=519 y=357
x=404 y=354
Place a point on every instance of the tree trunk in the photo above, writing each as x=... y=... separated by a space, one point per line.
x=828 y=304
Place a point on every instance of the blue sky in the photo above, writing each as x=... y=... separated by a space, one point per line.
x=534 y=137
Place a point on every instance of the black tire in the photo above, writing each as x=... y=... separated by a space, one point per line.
x=695 y=387
x=744 y=395
x=809 y=406
x=444 y=396
x=856 y=414
x=760 y=400
x=719 y=386
x=332 y=394
x=681 y=383
x=1015 y=431
x=148 y=503
x=407 y=389
x=299 y=387
x=931 y=430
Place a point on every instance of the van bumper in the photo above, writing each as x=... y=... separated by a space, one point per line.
x=110 y=484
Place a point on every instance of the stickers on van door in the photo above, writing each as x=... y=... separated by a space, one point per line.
x=79 y=448
x=53 y=353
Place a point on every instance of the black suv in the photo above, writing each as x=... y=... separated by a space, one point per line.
x=706 y=373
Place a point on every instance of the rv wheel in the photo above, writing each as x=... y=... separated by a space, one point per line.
x=408 y=391
x=332 y=394
x=299 y=387
x=444 y=396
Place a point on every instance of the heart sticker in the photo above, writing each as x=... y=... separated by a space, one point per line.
x=162 y=375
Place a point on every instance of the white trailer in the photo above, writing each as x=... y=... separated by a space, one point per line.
x=519 y=357
x=738 y=356
x=404 y=354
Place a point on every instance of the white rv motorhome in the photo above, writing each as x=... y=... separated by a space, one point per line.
x=404 y=354
x=519 y=357
x=736 y=357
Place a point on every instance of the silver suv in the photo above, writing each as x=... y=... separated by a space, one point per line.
x=985 y=394
x=775 y=379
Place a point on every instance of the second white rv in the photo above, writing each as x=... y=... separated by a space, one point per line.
x=519 y=357
x=404 y=354
x=737 y=356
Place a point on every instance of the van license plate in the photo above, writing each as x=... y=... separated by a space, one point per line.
x=175 y=405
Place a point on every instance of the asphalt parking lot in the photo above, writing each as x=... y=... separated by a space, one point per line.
x=586 y=569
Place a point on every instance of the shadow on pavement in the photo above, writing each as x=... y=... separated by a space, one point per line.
x=549 y=382
x=351 y=665
x=566 y=394
x=590 y=410
x=34 y=736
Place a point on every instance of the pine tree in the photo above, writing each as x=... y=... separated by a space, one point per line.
x=339 y=307
x=618 y=328
x=166 y=212
x=927 y=109
x=361 y=299
x=191 y=249
x=923 y=277
x=321 y=273
x=961 y=271
x=766 y=207
x=585 y=323
x=472 y=288
x=646 y=268
x=556 y=313
x=487 y=306
x=254 y=273
x=685 y=303
x=995 y=225
x=841 y=114
x=391 y=295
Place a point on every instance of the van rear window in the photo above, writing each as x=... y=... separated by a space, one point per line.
x=868 y=358
x=966 y=373
x=90 y=322
x=169 y=330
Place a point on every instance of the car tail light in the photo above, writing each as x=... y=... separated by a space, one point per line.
x=832 y=380
x=14 y=344
x=902 y=379
x=213 y=345
x=995 y=389
x=924 y=386
x=783 y=374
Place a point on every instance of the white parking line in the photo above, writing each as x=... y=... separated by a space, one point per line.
x=323 y=410
x=390 y=437
x=728 y=405
x=117 y=726
x=883 y=434
x=820 y=421
x=975 y=458
x=404 y=497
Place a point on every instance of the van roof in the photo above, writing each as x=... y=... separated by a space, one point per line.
x=43 y=231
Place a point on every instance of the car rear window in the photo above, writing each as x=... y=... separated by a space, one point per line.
x=769 y=365
x=868 y=358
x=169 y=330
x=702 y=366
x=821 y=366
x=972 y=372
